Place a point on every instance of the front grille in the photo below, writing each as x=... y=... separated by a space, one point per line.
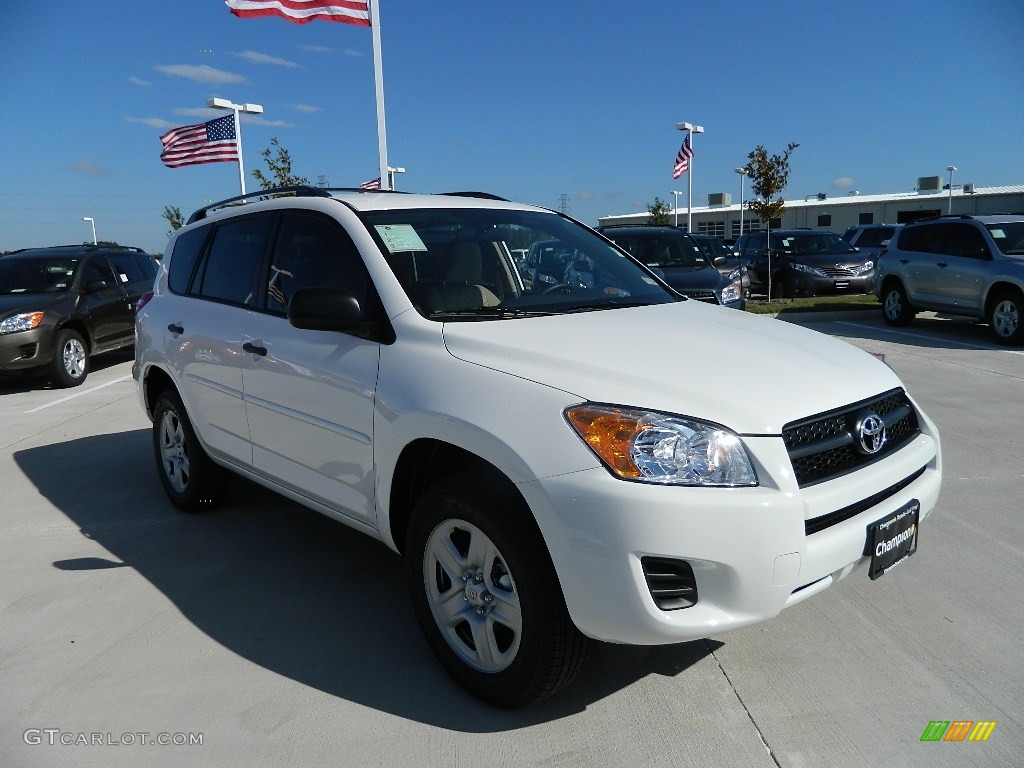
x=836 y=271
x=671 y=582
x=705 y=296
x=824 y=446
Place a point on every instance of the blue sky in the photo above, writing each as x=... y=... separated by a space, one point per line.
x=528 y=100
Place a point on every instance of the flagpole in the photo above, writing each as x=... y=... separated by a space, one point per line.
x=238 y=146
x=378 y=79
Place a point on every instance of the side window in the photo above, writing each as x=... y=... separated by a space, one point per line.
x=125 y=267
x=233 y=259
x=965 y=241
x=312 y=251
x=917 y=238
x=146 y=265
x=184 y=258
x=97 y=268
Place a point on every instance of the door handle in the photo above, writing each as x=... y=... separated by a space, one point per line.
x=252 y=349
x=175 y=329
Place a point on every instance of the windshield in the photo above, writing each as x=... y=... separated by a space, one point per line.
x=483 y=264
x=1009 y=237
x=36 y=275
x=713 y=247
x=813 y=243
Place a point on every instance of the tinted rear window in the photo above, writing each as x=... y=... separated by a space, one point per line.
x=184 y=258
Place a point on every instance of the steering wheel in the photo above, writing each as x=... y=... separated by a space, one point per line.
x=567 y=287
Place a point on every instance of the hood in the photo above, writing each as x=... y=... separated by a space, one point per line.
x=13 y=303
x=750 y=374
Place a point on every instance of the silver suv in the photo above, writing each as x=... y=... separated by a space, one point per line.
x=961 y=265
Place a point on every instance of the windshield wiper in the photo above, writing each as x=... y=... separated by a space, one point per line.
x=490 y=312
x=606 y=304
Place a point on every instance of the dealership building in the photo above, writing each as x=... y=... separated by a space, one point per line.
x=722 y=217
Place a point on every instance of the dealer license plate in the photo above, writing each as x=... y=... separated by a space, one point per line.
x=893 y=539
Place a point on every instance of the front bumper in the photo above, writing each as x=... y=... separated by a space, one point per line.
x=806 y=284
x=25 y=350
x=748 y=548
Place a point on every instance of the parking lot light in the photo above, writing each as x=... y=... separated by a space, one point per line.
x=675 y=207
x=742 y=172
x=952 y=170
x=93 y=222
x=690 y=129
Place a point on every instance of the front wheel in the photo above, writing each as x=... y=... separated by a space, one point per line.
x=896 y=309
x=70 y=363
x=1005 y=318
x=486 y=594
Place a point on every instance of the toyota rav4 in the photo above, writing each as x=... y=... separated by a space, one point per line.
x=547 y=457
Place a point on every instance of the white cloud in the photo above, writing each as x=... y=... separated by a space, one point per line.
x=200 y=74
x=204 y=112
x=90 y=169
x=305 y=108
x=254 y=57
x=152 y=122
x=139 y=81
x=253 y=120
x=316 y=48
x=843 y=182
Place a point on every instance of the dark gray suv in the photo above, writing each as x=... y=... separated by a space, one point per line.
x=961 y=265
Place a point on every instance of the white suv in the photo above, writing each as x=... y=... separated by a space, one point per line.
x=549 y=459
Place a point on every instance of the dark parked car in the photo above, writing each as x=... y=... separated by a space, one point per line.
x=805 y=262
x=871 y=238
x=680 y=262
x=723 y=258
x=61 y=305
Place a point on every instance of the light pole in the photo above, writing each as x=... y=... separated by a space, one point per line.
x=675 y=208
x=391 y=176
x=952 y=170
x=93 y=222
x=690 y=130
x=742 y=172
x=252 y=109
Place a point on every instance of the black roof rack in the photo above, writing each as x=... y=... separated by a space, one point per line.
x=299 y=190
x=478 y=195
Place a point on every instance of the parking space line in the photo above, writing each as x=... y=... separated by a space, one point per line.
x=79 y=394
x=932 y=338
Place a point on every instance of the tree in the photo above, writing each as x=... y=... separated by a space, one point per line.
x=659 y=213
x=280 y=168
x=173 y=215
x=768 y=177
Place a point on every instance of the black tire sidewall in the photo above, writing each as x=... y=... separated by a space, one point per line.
x=57 y=370
x=201 y=491
x=1017 y=337
x=529 y=677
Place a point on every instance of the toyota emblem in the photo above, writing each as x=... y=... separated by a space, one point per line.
x=871 y=434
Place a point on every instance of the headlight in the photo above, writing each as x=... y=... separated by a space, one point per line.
x=657 y=448
x=864 y=268
x=732 y=292
x=23 y=322
x=806 y=269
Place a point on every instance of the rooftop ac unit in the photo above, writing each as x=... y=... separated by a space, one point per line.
x=928 y=184
x=719 y=198
x=968 y=189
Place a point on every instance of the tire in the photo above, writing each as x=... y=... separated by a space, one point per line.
x=70 y=363
x=191 y=480
x=1005 y=318
x=486 y=594
x=896 y=309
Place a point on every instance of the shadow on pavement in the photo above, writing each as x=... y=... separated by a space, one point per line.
x=290 y=590
x=31 y=381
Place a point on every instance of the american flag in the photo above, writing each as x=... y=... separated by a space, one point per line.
x=371 y=184
x=304 y=11
x=683 y=159
x=212 y=142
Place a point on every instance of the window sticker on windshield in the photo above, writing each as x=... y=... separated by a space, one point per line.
x=649 y=280
x=124 y=277
x=400 y=237
x=998 y=234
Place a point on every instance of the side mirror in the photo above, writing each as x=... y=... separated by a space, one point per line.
x=720 y=261
x=324 y=309
x=95 y=286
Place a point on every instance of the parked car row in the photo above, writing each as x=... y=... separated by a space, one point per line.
x=60 y=306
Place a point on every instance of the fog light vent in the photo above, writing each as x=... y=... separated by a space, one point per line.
x=671 y=582
x=28 y=351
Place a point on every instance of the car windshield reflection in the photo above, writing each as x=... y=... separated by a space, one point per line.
x=25 y=275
